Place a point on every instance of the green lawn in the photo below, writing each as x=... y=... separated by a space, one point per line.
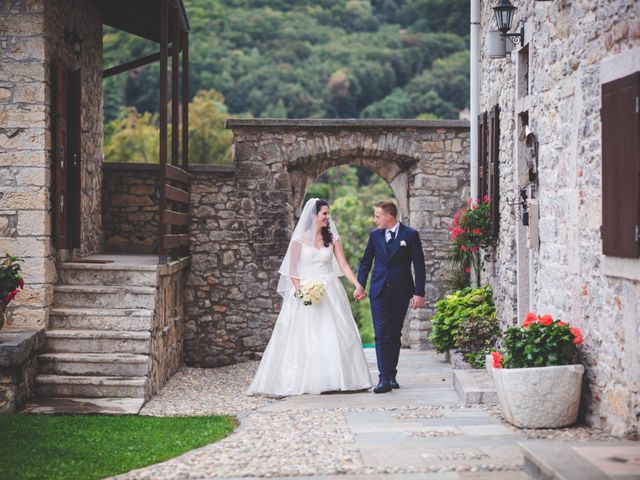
x=90 y=447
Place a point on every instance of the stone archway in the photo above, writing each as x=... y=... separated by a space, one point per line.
x=243 y=217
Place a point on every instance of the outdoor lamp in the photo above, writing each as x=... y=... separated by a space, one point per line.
x=74 y=41
x=503 y=12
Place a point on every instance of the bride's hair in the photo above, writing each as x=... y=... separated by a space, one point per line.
x=327 y=236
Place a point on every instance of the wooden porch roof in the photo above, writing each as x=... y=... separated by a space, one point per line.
x=140 y=17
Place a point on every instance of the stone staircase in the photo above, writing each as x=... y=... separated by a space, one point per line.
x=98 y=345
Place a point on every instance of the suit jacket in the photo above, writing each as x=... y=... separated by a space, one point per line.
x=393 y=270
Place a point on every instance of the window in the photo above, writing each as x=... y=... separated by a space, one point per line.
x=488 y=171
x=621 y=167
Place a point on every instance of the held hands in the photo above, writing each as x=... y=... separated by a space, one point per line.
x=417 y=302
x=359 y=294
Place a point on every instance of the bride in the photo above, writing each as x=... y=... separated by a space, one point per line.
x=315 y=346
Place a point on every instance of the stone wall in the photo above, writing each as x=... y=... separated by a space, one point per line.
x=25 y=222
x=18 y=367
x=573 y=47
x=31 y=38
x=66 y=15
x=167 y=330
x=242 y=218
x=130 y=208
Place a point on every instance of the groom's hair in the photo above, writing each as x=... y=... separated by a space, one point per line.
x=388 y=207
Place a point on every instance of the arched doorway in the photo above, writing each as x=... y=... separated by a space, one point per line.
x=352 y=191
x=243 y=216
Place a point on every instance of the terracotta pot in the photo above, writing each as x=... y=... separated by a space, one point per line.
x=541 y=397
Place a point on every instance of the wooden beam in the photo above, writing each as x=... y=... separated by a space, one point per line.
x=174 y=194
x=177 y=174
x=164 y=41
x=176 y=218
x=175 y=88
x=184 y=43
x=174 y=241
x=140 y=62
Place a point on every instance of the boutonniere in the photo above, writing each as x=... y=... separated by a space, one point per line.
x=403 y=243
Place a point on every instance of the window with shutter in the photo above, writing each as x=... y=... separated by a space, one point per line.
x=482 y=155
x=621 y=167
x=493 y=137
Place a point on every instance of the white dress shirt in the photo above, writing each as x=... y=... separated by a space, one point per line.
x=394 y=229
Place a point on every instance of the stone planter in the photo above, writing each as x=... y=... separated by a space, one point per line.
x=543 y=397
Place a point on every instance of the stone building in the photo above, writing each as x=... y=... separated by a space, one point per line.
x=559 y=142
x=52 y=210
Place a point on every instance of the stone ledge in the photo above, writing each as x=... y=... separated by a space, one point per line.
x=474 y=387
x=16 y=346
x=232 y=123
x=544 y=460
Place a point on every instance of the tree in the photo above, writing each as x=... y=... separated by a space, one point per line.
x=132 y=138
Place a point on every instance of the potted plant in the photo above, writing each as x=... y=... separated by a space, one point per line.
x=538 y=381
x=11 y=282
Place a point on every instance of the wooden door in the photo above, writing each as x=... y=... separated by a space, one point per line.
x=66 y=157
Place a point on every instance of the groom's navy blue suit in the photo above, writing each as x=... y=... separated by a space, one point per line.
x=391 y=288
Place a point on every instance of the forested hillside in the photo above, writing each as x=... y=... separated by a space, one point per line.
x=312 y=58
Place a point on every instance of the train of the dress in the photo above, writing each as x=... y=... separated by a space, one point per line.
x=313 y=348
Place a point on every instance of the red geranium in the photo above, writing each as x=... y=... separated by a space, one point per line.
x=497 y=359
x=577 y=335
x=529 y=319
x=546 y=320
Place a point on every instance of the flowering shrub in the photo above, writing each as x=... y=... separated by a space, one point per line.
x=11 y=281
x=468 y=234
x=539 y=342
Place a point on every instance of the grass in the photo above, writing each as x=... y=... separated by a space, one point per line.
x=91 y=447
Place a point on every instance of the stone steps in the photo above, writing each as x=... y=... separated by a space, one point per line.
x=97 y=352
x=85 y=406
x=97 y=341
x=104 y=296
x=76 y=318
x=107 y=274
x=61 y=386
x=474 y=387
x=99 y=364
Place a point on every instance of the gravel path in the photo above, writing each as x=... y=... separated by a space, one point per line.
x=207 y=391
x=420 y=429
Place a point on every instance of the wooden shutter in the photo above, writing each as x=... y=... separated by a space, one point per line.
x=621 y=167
x=60 y=164
x=482 y=156
x=493 y=139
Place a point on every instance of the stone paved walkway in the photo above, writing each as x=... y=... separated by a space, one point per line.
x=419 y=431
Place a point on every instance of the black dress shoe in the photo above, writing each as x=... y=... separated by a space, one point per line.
x=394 y=383
x=382 y=387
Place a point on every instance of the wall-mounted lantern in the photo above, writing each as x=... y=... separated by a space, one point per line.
x=72 y=39
x=503 y=12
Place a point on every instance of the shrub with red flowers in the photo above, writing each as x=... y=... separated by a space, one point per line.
x=11 y=281
x=468 y=235
x=539 y=342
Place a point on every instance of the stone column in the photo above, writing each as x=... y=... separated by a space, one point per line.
x=25 y=223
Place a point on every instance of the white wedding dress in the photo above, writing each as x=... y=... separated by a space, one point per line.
x=314 y=348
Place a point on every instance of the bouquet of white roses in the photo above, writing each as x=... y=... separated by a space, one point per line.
x=311 y=292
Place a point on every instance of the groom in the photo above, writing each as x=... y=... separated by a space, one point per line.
x=395 y=247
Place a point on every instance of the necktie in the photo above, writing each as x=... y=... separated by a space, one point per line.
x=392 y=235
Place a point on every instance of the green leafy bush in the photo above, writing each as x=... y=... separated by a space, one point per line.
x=476 y=337
x=454 y=309
x=539 y=342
